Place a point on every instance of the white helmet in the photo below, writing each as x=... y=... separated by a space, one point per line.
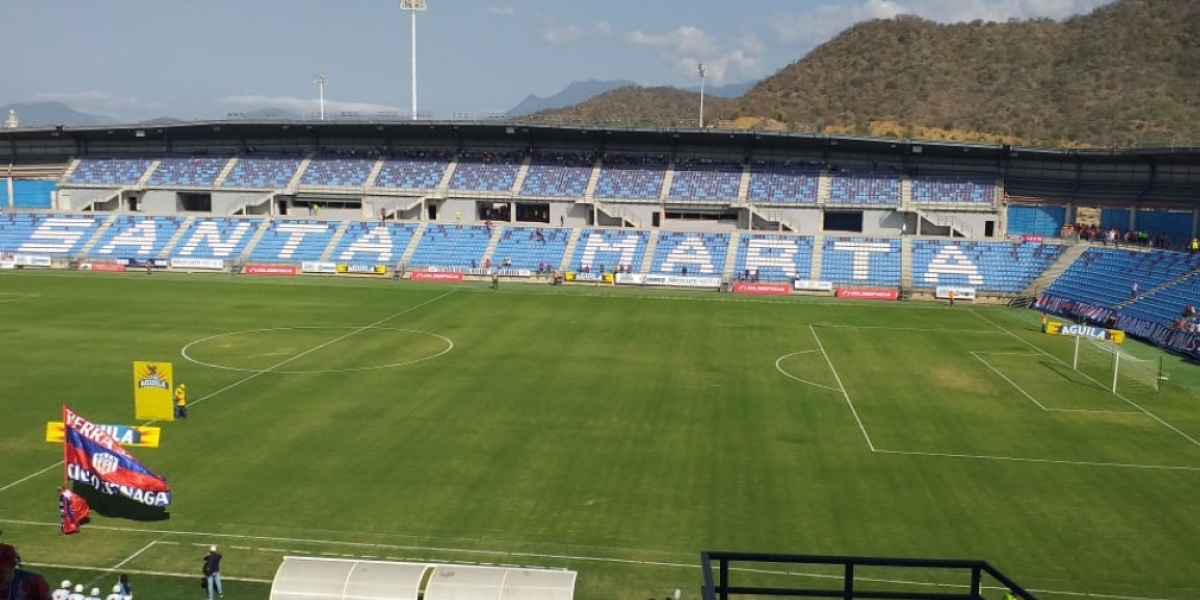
x=117 y=589
x=79 y=588
x=95 y=591
x=66 y=585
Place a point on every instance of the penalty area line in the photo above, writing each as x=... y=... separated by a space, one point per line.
x=842 y=386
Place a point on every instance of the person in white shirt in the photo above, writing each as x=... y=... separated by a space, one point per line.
x=95 y=595
x=78 y=593
x=62 y=592
x=116 y=594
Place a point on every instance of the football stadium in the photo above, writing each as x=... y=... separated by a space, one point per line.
x=470 y=360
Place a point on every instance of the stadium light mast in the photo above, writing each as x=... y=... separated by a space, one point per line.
x=320 y=79
x=413 y=7
x=703 y=69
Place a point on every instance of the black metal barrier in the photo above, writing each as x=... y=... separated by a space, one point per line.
x=719 y=587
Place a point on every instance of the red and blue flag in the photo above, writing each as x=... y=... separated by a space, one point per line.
x=94 y=458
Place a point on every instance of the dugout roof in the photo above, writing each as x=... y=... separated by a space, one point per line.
x=307 y=578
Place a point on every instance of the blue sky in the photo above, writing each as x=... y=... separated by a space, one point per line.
x=140 y=59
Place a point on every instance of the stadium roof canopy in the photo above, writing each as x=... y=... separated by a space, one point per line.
x=306 y=578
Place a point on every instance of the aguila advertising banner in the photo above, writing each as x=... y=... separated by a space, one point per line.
x=92 y=457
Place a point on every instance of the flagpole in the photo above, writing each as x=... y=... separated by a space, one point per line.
x=66 y=478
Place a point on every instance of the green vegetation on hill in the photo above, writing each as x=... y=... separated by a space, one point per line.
x=1126 y=74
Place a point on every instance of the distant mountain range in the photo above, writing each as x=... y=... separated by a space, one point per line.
x=48 y=114
x=582 y=91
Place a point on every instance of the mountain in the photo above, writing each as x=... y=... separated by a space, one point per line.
x=635 y=107
x=729 y=90
x=1128 y=73
x=45 y=114
x=575 y=93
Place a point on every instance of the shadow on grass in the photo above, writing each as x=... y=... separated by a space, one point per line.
x=120 y=507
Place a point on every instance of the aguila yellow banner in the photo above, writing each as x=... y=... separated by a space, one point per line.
x=126 y=435
x=152 y=399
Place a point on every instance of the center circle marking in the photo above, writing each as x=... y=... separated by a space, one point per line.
x=184 y=351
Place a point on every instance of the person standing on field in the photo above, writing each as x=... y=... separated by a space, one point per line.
x=181 y=402
x=212 y=572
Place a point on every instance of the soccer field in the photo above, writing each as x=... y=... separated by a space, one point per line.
x=613 y=432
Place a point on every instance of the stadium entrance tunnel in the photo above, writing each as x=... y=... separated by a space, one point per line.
x=316 y=349
x=307 y=578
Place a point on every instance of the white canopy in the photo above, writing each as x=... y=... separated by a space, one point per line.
x=307 y=578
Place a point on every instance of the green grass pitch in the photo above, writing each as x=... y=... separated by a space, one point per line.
x=614 y=432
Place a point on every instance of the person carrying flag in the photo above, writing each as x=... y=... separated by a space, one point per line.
x=181 y=402
x=72 y=510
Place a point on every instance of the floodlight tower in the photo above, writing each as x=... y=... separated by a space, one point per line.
x=703 y=69
x=413 y=7
x=320 y=79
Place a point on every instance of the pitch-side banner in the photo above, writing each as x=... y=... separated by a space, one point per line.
x=1115 y=336
x=127 y=435
x=152 y=400
x=94 y=458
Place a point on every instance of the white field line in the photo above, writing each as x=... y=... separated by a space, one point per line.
x=258 y=374
x=837 y=378
x=468 y=551
x=979 y=355
x=805 y=381
x=1010 y=382
x=891 y=328
x=1061 y=362
x=1050 y=461
x=19 y=298
x=170 y=574
x=124 y=562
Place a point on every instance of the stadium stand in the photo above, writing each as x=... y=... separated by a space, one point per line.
x=366 y=244
x=523 y=249
x=188 y=171
x=263 y=171
x=136 y=236
x=46 y=235
x=1166 y=306
x=631 y=177
x=1045 y=221
x=773 y=257
x=558 y=175
x=861 y=260
x=784 y=183
x=337 y=170
x=876 y=188
x=960 y=190
x=294 y=240
x=1175 y=225
x=29 y=193
x=1104 y=277
x=706 y=180
x=697 y=253
x=413 y=169
x=451 y=246
x=486 y=171
x=601 y=249
x=109 y=171
x=216 y=237
x=993 y=266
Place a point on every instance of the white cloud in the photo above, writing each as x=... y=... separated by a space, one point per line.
x=301 y=105
x=91 y=101
x=560 y=34
x=604 y=28
x=501 y=11
x=828 y=20
x=686 y=47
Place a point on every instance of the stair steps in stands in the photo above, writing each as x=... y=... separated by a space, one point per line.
x=179 y=233
x=444 y=184
x=225 y=171
x=66 y=176
x=814 y=272
x=823 y=185
x=149 y=173
x=299 y=175
x=375 y=169
x=572 y=242
x=522 y=173
x=104 y=227
x=258 y=235
x=648 y=259
x=905 y=192
x=412 y=245
x=906 y=281
x=333 y=242
x=665 y=192
x=1156 y=289
x=497 y=232
x=744 y=185
x=735 y=238
x=590 y=191
x=1065 y=260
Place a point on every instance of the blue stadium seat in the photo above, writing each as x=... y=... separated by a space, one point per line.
x=993 y=266
x=558 y=175
x=961 y=190
x=706 y=180
x=784 y=183
x=631 y=177
x=522 y=247
x=451 y=247
x=194 y=171
x=413 y=170
x=366 y=243
x=774 y=257
x=699 y=253
x=216 y=237
x=486 y=171
x=262 y=171
x=337 y=170
x=871 y=188
x=602 y=249
x=109 y=171
x=136 y=237
x=861 y=261
x=61 y=235
x=294 y=240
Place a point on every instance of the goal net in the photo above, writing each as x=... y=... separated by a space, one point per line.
x=1119 y=371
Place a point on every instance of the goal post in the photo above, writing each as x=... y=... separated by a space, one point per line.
x=1107 y=365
